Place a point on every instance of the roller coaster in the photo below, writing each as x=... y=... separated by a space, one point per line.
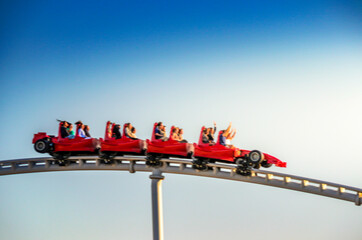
x=168 y=157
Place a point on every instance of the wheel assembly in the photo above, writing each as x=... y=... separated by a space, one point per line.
x=244 y=171
x=200 y=164
x=153 y=160
x=62 y=158
x=42 y=146
x=243 y=166
x=107 y=157
x=255 y=157
x=266 y=164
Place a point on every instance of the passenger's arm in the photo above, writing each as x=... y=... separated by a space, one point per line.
x=227 y=131
x=233 y=134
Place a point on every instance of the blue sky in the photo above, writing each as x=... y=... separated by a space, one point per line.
x=286 y=73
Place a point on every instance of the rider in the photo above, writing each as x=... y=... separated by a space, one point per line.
x=63 y=129
x=81 y=132
x=224 y=134
x=128 y=131
x=211 y=134
x=86 y=130
x=160 y=132
x=174 y=134
x=116 y=132
x=70 y=131
x=205 y=135
x=180 y=136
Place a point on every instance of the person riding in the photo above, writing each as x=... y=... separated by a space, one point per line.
x=63 y=129
x=133 y=131
x=180 y=136
x=174 y=134
x=230 y=137
x=211 y=133
x=116 y=133
x=70 y=131
x=128 y=131
x=81 y=132
x=205 y=135
x=224 y=134
x=160 y=132
x=86 y=131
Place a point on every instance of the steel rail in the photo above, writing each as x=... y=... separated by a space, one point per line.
x=184 y=166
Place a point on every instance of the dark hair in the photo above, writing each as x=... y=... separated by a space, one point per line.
x=133 y=129
x=85 y=126
x=159 y=124
x=78 y=123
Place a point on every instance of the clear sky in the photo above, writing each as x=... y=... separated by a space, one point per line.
x=286 y=73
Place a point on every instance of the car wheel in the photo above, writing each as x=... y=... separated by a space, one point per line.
x=266 y=164
x=255 y=157
x=41 y=146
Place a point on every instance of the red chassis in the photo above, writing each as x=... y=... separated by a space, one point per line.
x=157 y=147
x=111 y=147
x=62 y=148
x=245 y=159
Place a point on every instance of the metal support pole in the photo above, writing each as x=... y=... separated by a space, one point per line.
x=157 y=213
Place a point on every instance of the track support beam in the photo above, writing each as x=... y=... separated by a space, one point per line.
x=157 y=212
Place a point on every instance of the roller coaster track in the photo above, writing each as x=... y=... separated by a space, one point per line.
x=184 y=166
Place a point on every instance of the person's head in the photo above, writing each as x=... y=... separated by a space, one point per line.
x=174 y=130
x=116 y=127
x=80 y=124
x=160 y=126
x=65 y=124
x=204 y=131
x=180 y=131
x=70 y=127
x=86 y=127
x=163 y=127
x=133 y=130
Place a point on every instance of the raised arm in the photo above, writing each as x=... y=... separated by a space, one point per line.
x=227 y=130
x=232 y=135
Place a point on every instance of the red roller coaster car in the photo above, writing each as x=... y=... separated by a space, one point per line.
x=62 y=148
x=244 y=159
x=111 y=147
x=156 y=148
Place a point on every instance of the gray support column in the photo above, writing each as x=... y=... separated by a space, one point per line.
x=157 y=213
